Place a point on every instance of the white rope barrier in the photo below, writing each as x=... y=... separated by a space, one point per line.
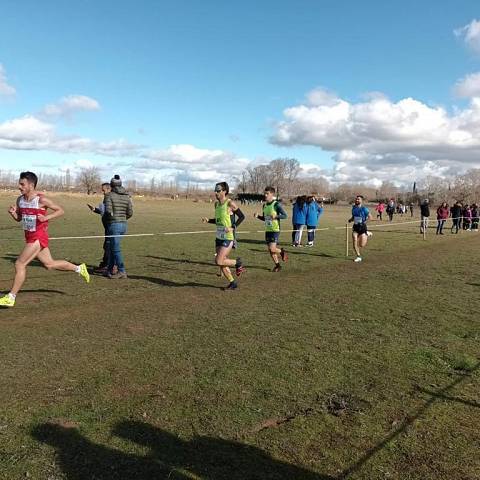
x=371 y=225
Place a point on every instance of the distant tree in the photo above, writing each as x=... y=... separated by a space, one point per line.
x=292 y=170
x=89 y=178
x=68 y=179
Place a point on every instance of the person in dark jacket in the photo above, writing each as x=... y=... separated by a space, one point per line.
x=100 y=210
x=118 y=209
x=456 y=215
x=424 y=215
x=314 y=210
x=475 y=217
x=442 y=214
x=390 y=209
x=299 y=220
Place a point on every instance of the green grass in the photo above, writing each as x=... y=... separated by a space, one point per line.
x=327 y=370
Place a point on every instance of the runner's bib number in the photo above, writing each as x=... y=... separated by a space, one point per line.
x=268 y=221
x=358 y=220
x=29 y=223
x=221 y=233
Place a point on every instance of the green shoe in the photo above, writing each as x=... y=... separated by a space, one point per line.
x=84 y=273
x=7 y=301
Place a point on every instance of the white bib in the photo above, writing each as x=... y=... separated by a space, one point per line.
x=29 y=223
x=221 y=232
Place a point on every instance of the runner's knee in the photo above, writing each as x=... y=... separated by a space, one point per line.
x=20 y=265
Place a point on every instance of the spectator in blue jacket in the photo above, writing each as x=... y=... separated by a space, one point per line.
x=299 y=220
x=314 y=210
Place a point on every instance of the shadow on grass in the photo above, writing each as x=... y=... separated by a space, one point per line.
x=308 y=252
x=197 y=262
x=251 y=240
x=410 y=420
x=440 y=396
x=297 y=252
x=170 y=283
x=403 y=232
x=43 y=290
x=169 y=457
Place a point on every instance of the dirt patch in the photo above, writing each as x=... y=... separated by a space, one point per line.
x=339 y=404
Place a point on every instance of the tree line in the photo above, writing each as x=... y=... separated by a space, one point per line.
x=285 y=174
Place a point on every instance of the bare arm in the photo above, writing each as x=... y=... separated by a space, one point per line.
x=57 y=210
x=14 y=212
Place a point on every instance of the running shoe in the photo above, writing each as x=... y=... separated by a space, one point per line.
x=7 y=301
x=277 y=268
x=239 y=270
x=84 y=273
x=358 y=259
x=231 y=286
x=283 y=255
x=118 y=276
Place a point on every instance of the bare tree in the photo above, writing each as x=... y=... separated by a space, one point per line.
x=386 y=191
x=436 y=189
x=256 y=178
x=466 y=188
x=292 y=170
x=153 y=186
x=89 y=178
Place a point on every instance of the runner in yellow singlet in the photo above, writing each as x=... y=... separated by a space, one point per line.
x=272 y=213
x=225 y=212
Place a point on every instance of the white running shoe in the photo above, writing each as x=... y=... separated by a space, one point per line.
x=358 y=259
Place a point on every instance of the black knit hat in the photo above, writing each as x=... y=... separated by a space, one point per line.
x=116 y=181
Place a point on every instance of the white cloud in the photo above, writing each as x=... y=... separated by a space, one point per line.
x=6 y=89
x=468 y=86
x=31 y=133
x=69 y=105
x=470 y=34
x=186 y=162
x=378 y=139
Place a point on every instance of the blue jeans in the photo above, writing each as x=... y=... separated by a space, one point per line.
x=116 y=257
x=440 y=224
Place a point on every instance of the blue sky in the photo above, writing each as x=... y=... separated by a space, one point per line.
x=218 y=75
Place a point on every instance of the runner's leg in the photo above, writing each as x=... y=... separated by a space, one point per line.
x=362 y=240
x=49 y=263
x=274 y=252
x=355 y=243
x=223 y=262
x=28 y=254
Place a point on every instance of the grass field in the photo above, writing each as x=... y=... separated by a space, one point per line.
x=327 y=370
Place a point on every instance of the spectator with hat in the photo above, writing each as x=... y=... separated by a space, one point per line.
x=118 y=209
